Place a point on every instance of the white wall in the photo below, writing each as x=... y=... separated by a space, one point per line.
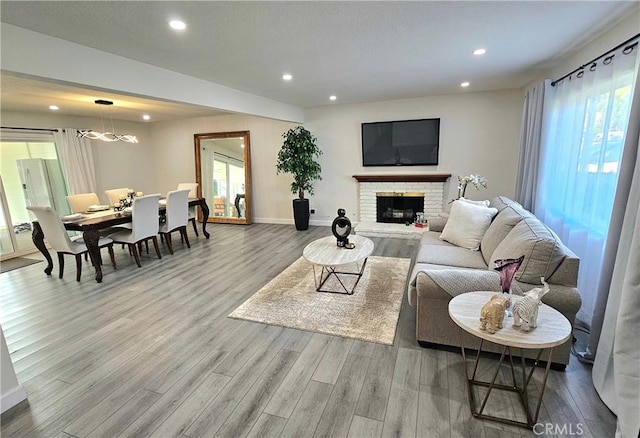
x=479 y=134
x=175 y=159
x=11 y=392
x=117 y=164
x=609 y=39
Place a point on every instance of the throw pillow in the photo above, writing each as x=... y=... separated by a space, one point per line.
x=467 y=224
x=483 y=203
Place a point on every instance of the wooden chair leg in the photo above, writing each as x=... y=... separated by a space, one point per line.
x=156 y=246
x=195 y=226
x=183 y=233
x=112 y=256
x=60 y=264
x=136 y=254
x=169 y=244
x=146 y=244
x=78 y=266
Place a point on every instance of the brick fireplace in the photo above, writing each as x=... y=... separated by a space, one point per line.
x=430 y=186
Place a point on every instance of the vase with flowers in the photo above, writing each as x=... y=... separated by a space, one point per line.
x=477 y=181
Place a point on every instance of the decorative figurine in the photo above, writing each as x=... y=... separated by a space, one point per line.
x=492 y=313
x=526 y=310
x=507 y=269
x=341 y=228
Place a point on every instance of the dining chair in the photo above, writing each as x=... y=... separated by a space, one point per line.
x=193 y=193
x=144 y=226
x=57 y=236
x=177 y=217
x=80 y=202
x=115 y=195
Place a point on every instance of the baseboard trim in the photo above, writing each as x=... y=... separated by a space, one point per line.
x=12 y=398
x=314 y=222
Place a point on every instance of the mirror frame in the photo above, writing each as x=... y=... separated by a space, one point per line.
x=197 y=138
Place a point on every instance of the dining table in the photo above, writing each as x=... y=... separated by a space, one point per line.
x=90 y=225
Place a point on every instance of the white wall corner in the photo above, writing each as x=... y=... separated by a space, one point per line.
x=12 y=398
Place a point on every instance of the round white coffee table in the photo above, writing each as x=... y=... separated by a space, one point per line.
x=333 y=259
x=553 y=329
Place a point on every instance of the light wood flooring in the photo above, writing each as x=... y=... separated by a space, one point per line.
x=150 y=352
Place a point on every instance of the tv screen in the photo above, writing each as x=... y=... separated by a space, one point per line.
x=401 y=143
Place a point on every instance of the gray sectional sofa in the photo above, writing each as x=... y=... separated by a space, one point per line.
x=513 y=232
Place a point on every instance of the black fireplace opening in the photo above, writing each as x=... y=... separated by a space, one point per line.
x=398 y=207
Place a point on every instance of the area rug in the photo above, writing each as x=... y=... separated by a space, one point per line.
x=370 y=314
x=18 y=262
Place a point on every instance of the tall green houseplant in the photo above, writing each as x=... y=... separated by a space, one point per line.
x=298 y=157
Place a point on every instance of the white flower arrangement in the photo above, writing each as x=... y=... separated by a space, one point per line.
x=477 y=181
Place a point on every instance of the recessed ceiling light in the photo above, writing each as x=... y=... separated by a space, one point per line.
x=464 y=84
x=287 y=77
x=479 y=52
x=177 y=25
x=242 y=145
x=146 y=117
x=332 y=97
x=53 y=108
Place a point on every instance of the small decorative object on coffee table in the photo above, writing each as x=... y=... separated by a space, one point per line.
x=492 y=313
x=507 y=269
x=341 y=228
x=334 y=260
x=526 y=310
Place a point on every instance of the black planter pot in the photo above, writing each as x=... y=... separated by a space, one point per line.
x=301 y=213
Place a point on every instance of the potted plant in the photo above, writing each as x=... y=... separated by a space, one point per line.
x=298 y=157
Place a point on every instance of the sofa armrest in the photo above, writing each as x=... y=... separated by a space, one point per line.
x=564 y=299
x=437 y=223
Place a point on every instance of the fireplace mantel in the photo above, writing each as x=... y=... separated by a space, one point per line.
x=425 y=177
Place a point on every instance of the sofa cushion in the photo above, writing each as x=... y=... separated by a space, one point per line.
x=531 y=238
x=467 y=224
x=501 y=225
x=450 y=255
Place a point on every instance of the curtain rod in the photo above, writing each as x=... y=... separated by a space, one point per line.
x=31 y=129
x=635 y=37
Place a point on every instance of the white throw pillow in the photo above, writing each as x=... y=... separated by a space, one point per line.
x=469 y=201
x=467 y=224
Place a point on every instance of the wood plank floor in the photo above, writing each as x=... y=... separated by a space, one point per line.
x=150 y=352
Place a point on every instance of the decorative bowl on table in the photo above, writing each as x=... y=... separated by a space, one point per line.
x=94 y=208
x=71 y=217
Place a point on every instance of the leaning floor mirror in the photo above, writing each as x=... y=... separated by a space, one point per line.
x=223 y=172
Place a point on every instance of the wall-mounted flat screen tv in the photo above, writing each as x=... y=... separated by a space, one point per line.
x=401 y=143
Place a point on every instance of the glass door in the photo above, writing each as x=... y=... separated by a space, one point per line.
x=31 y=175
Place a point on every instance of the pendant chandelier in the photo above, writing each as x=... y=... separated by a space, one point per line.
x=106 y=135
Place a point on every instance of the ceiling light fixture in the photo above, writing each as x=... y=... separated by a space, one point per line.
x=177 y=25
x=479 y=52
x=332 y=97
x=287 y=77
x=53 y=108
x=146 y=117
x=464 y=84
x=105 y=135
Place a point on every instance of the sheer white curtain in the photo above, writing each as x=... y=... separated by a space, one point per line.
x=206 y=160
x=616 y=369
x=585 y=120
x=76 y=160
